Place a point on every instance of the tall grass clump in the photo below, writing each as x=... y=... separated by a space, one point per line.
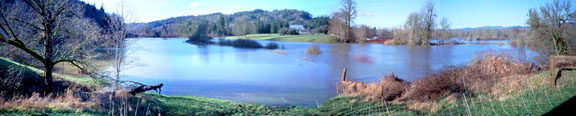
x=37 y=102
x=313 y=50
x=389 y=88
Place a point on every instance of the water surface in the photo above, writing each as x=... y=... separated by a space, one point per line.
x=295 y=78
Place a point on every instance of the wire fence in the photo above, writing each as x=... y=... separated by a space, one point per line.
x=530 y=94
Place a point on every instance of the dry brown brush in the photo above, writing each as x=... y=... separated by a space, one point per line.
x=479 y=76
x=66 y=101
x=389 y=88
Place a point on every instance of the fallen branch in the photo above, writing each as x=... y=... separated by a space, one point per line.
x=559 y=74
x=144 y=88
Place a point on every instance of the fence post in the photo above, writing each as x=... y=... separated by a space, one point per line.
x=337 y=89
x=342 y=79
x=552 y=72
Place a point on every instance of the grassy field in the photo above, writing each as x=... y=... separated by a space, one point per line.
x=315 y=38
x=6 y=63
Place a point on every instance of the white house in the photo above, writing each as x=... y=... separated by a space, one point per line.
x=300 y=28
x=297 y=27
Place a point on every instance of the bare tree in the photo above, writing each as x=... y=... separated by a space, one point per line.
x=399 y=35
x=117 y=33
x=337 y=27
x=44 y=30
x=415 y=28
x=429 y=18
x=340 y=25
x=551 y=22
x=362 y=33
x=444 y=32
x=421 y=25
x=385 y=33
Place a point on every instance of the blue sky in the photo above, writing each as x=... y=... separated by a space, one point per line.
x=378 y=13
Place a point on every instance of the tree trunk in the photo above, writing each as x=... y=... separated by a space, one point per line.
x=48 y=74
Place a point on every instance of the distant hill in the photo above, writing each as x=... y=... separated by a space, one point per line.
x=218 y=24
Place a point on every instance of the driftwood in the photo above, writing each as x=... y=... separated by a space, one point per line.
x=559 y=74
x=144 y=88
x=553 y=67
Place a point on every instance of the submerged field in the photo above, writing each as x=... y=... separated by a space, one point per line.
x=315 y=38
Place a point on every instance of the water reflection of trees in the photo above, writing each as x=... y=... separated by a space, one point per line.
x=417 y=60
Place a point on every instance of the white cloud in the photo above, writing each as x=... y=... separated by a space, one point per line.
x=195 y=4
x=365 y=14
x=200 y=12
x=205 y=12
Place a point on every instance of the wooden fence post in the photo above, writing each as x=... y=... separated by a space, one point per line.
x=337 y=89
x=552 y=72
x=343 y=75
x=342 y=79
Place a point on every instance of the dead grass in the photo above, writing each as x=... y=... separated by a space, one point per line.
x=122 y=103
x=487 y=73
x=363 y=58
x=313 y=50
x=480 y=76
x=67 y=101
x=118 y=103
x=389 y=88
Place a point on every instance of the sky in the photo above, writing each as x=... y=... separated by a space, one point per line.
x=374 y=13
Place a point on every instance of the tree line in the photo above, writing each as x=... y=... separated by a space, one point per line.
x=241 y=23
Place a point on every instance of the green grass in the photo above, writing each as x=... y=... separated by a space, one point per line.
x=190 y=105
x=531 y=101
x=350 y=105
x=315 y=38
x=6 y=63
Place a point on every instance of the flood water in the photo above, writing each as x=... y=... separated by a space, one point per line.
x=266 y=77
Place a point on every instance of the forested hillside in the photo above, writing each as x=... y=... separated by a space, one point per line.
x=218 y=24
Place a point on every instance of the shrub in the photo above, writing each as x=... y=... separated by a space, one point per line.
x=245 y=43
x=200 y=40
x=240 y=43
x=479 y=76
x=313 y=50
x=271 y=45
x=225 y=42
x=288 y=31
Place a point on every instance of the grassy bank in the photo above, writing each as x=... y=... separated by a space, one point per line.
x=315 y=38
x=100 y=102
